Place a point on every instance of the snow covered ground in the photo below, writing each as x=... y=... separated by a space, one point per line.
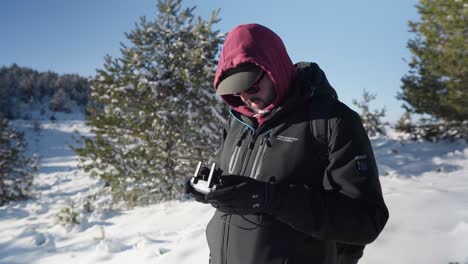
x=425 y=186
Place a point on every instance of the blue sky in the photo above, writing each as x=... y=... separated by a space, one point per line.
x=359 y=44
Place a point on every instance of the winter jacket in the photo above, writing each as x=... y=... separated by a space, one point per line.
x=345 y=209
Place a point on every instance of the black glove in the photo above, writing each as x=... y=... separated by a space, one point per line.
x=243 y=195
x=198 y=196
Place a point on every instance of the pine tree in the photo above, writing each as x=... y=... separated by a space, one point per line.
x=16 y=170
x=437 y=81
x=21 y=85
x=60 y=102
x=432 y=130
x=156 y=112
x=371 y=120
x=404 y=123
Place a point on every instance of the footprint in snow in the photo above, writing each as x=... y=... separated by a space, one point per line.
x=109 y=246
x=46 y=241
x=162 y=251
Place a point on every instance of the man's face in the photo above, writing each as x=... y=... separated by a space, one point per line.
x=263 y=97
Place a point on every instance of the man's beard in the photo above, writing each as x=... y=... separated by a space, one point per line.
x=261 y=102
x=255 y=101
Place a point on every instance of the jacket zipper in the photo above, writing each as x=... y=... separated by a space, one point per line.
x=244 y=163
x=237 y=150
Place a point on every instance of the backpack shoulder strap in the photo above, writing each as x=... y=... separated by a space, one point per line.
x=320 y=131
x=319 y=128
x=320 y=113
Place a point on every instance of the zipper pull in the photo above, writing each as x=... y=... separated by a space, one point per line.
x=252 y=140
x=267 y=139
x=243 y=136
x=251 y=144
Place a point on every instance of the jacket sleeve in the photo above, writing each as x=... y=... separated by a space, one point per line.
x=350 y=207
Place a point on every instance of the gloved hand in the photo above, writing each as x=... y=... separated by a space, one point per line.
x=243 y=195
x=198 y=196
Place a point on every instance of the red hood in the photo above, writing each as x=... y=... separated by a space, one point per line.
x=256 y=44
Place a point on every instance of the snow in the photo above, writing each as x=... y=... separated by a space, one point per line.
x=425 y=186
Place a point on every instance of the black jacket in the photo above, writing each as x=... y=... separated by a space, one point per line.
x=345 y=209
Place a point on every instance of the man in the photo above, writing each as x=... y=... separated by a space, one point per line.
x=299 y=180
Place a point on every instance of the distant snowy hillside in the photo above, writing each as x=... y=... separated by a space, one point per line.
x=425 y=186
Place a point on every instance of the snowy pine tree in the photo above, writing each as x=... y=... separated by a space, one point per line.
x=437 y=81
x=156 y=113
x=60 y=102
x=21 y=86
x=16 y=170
x=436 y=84
x=404 y=124
x=371 y=120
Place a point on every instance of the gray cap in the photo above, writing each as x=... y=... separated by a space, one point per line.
x=238 y=79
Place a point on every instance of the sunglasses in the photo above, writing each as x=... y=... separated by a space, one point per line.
x=254 y=88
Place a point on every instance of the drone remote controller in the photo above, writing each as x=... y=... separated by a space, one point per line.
x=204 y=180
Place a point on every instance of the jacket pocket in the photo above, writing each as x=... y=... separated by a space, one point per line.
x=258 y=161
x=234 y=158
